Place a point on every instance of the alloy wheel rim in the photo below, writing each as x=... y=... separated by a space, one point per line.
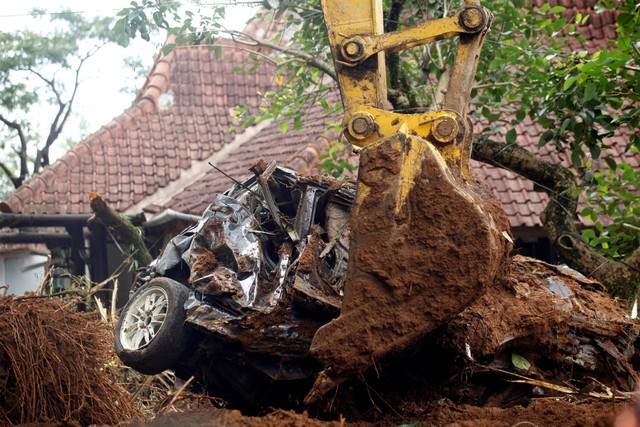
x=144 y=319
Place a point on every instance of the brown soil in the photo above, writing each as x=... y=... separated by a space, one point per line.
x=543 y=313
x=405 y=229
x=430 y=383
x=541 y=413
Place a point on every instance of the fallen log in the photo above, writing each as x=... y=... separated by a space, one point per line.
x=121 y=228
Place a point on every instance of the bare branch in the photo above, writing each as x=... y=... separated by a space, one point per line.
x=50 y=82
x=247 y=39
x=22 y=153
x=63 y=113
x=497 y=84
x=14 y=179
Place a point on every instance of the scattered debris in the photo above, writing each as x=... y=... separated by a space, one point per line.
x=566 y=326
x=541 y=335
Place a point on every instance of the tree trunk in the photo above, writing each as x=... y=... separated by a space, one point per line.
x=121 y=228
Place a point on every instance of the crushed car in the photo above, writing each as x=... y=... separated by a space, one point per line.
x=236 y=299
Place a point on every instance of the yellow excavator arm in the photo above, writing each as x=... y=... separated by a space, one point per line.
x=426 y=238
x=358 y=45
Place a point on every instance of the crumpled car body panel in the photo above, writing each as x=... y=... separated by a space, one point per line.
x=265 y=275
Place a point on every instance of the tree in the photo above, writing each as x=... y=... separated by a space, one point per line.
x=37 y=69
x=527 y=71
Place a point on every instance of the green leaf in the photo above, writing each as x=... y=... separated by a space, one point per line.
x=569 y=82
x=624 y=18
x=576 y=158
x=284 y=126
x=557 y=9
x=589 y=92
x=511 y=136
x=167 y=48
x=120 y=32
x=520 y=362
x=588 y=234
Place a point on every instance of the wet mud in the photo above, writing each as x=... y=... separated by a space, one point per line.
x=425 y=244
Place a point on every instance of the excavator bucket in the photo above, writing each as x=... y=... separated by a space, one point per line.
x=427 y=238
x=425 y=243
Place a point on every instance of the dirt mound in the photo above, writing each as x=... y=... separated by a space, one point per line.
x=543 y=347
x=51 y=366
x=541 y=413
x=210 y=416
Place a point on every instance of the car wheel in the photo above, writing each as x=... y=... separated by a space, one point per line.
x=150 y=334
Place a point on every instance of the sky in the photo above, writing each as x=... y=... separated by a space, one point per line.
x=101 y=96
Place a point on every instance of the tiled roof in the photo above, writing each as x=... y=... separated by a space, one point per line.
x=599 y=28
x=182 y=115
x=155 y=155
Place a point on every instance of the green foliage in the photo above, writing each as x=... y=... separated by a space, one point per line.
x=335 y=160
x=300 y=84
x=188 y=27
x=613 y=205
x=579 y=98
x=133 y=20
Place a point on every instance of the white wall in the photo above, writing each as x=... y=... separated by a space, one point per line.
x=22 y=273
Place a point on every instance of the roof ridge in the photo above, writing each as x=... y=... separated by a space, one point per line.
x=157 y=81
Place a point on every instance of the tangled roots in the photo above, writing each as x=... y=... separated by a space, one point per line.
x=51 y=366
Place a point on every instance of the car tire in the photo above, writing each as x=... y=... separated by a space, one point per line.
x=150 y=335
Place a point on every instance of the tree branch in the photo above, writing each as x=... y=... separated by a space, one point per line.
x=400 y=92
x=123 y=230
x=24 y=168
x=560 y=216
x=12 y=177
x=314 y=61
x=64 y=110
